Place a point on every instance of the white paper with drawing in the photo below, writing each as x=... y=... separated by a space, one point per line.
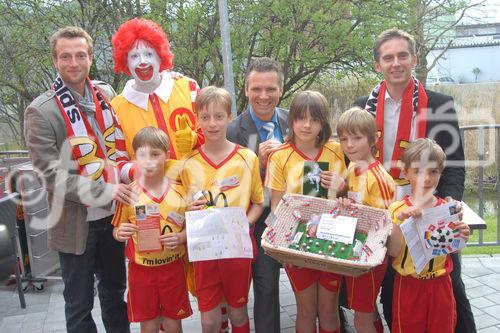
x=218 y=233
x=337 y=229
x=432 y=235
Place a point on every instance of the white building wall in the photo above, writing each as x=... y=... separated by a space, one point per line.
x=458 y=64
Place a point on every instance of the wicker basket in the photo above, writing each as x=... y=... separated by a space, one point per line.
x=293 y=207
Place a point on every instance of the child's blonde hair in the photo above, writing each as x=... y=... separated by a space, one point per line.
x=358 y=121
x=213 y=95
x=151 y=137
x=317 y=106
x=426 y=148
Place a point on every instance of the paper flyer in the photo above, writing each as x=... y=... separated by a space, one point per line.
x=432 y=235
x=218 y=233
x=147 y=218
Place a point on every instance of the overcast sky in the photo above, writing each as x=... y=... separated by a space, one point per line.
x=488 y=13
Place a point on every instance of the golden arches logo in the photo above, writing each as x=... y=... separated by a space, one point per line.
x=181 y=117
x=90 y=157
x=181 y=121
x=110 y=144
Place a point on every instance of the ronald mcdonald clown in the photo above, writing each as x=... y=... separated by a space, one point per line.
x=153 y=97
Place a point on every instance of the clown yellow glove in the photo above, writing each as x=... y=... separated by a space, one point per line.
x=185 y=138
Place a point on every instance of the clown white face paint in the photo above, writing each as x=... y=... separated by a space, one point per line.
x=143 y=62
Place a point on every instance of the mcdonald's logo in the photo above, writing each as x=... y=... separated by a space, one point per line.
x=109 y=141
x=93 y=164
x=177 y=115
x=404 y=144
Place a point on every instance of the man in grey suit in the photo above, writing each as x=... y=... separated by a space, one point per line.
x=71 y=133
x=262 y=128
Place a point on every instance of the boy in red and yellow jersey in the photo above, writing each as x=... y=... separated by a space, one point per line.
x=230 y=174
x=157 y=288
x=368 y=184
x=422 y=302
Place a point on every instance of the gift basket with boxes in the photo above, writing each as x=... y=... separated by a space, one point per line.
x=349 y=240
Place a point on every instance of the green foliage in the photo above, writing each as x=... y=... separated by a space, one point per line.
x=432 y=24
x=490 y=174
x=307 y=37
x=342 y=90
x=26 y=27
x=193 y=30
x=311 y=38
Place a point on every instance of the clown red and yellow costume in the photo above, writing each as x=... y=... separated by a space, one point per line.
x=153 y=97
x=171 y=104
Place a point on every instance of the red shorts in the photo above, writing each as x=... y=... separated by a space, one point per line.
x=423 y=305
x=362 y=291
x=302 y=278
x=157 y=291
x=222 y=278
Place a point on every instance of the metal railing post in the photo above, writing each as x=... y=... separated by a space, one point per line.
x=497 y=146
x=480 y=164
x=480 y=156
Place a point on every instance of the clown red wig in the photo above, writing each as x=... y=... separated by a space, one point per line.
x=131 y=31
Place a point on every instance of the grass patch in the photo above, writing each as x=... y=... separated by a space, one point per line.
x=481 y=250
x=489 y=235
x=13 y=145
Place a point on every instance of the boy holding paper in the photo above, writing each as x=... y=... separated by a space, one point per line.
x=422 y=302
x=154 y=229
x=371 y=185
x=230 y=175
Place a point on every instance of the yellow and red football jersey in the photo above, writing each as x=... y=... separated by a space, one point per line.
x=234 y=182
x=285 y=167
x=403 y=263
x=372 y=187
x=171 y=206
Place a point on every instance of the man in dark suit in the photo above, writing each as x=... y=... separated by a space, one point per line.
x=262 y=128
x=405 y=111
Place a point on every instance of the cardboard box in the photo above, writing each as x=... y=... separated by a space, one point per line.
x=293 y=208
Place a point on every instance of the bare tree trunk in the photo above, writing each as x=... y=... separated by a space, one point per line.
x=419 y=35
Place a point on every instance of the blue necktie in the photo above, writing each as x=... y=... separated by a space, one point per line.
x=269 y=127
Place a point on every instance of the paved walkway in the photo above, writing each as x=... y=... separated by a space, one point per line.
x=45 y=310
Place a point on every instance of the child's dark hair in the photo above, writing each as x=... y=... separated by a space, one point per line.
x=317 y=106
x=151 y=137
x=426 y=148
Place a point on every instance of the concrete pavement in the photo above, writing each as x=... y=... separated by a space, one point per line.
x=45 y=309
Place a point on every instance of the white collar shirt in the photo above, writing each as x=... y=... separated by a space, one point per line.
x=392 y=110
x=141 y=99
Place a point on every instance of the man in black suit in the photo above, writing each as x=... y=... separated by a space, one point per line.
x=405 y=111
x=262 y=128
